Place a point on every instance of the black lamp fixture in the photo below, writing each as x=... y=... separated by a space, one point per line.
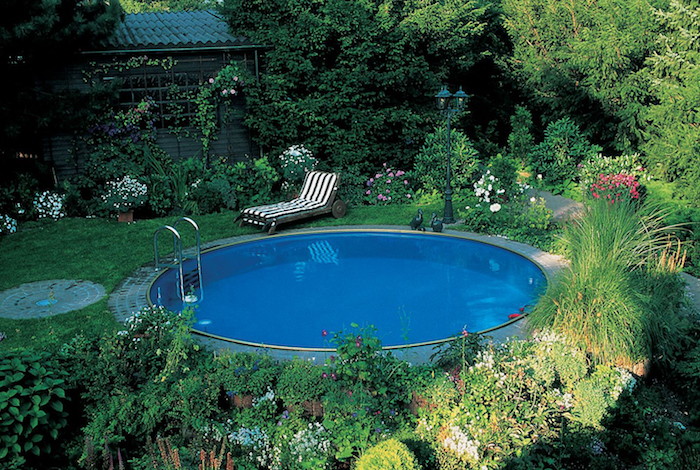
x=450 y=104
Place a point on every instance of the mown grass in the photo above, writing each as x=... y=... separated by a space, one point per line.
x=106 y=252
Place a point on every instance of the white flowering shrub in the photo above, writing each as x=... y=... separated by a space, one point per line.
x=488 y=189
x=462 y=444
x=257 y=447
x=49 y=205
x=295 y=162
x=311 y=447
x=7 y=224
x=124 y=194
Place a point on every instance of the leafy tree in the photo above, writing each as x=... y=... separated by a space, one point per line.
x=673 y=135
x=141 y=6
x=351 y=79
x=585 y=60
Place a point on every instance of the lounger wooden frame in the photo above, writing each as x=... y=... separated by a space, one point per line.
x=318 y=196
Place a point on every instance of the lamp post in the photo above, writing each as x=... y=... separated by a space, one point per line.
x=449 y=104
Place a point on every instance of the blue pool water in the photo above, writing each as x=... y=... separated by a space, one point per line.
x=413 y=287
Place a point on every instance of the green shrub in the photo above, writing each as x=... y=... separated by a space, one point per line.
x=242 y=373
x=32 y=400
x=388 y=186
x=430 y=167
x=301 y=381
x=596 y=394
x=563 y=148
x=388 y=455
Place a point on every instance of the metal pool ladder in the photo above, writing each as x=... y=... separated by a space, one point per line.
x=189 y=284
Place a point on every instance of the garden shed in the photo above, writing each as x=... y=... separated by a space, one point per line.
x=165 y=58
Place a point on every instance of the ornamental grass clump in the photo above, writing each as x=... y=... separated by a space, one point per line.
x=603 y=301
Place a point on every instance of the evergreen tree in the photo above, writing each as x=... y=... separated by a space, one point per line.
x=673 y=130
x=585 y=60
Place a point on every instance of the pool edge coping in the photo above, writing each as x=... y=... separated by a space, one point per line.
x=133 y=293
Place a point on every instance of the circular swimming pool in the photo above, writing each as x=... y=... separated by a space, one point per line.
x=414 y=288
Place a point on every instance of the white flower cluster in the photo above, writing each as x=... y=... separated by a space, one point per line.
x=125 y=194
x=311 y=443
x=49 y=204
x=460 y=443
x=7 y=224
x=565 y=401
x=626 y=382
x=260 y=449
x=297 y=160
x=548 y=336
x=269 y=396
x=487 y=187
x=484 y=359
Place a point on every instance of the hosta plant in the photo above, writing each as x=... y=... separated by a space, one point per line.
x=32 y=399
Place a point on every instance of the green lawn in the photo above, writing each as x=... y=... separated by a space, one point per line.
x=106 y=252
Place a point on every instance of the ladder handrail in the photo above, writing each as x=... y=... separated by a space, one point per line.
x=177 y=251
x=197 y=250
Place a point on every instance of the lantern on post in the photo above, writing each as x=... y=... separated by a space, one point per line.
x=450 y=104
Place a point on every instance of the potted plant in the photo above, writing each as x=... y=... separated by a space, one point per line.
x=124 y=195
x=244 y=376
x=302 y=384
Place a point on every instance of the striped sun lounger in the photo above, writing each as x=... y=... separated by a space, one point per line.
x=317 y=196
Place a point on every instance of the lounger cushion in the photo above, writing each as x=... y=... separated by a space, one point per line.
x=316 y=193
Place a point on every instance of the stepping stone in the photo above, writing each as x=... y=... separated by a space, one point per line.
x=48 y=298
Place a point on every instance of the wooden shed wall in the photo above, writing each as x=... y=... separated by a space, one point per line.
x=68 y=153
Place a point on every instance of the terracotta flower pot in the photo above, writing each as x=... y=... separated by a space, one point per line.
x=127 y=216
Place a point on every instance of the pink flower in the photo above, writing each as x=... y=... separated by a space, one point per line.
x=391 y=175
x=334 y=377
x=211 y=80
x=324 y=375
x=324 y=333
x=368 y=192
x=235 y=79
x=224 y=92
x=388 y=181
x=378 y=175
x=400 y=173
x=233 y=92
x=405 y=181
x=383 y=164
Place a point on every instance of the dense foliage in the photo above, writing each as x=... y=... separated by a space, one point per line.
x=355 y=80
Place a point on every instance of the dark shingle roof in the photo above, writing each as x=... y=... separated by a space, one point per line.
x=174 y=30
